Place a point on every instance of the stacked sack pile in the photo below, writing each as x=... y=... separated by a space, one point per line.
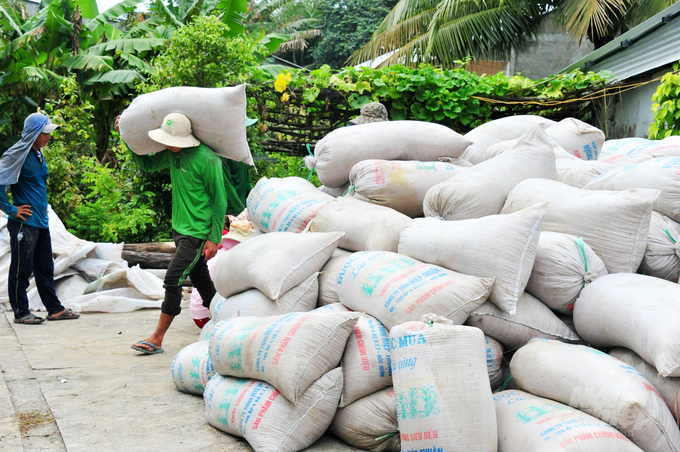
x=459 y=295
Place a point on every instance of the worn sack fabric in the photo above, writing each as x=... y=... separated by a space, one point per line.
x=204 y=335
x=366 y=227
x=614 y=224
x=288 y=204
x=564 y=265
x=335 y=192
x=333 y=307
x=497 y=246
x=504 y=129
x=668 y=387
x=192 y=368
x=395 y=289
x=256 y=411
x=576 y=172
x=494 y=360
x=340 y=150
x=641 y=313
x=662 y=254
x=253 y=303
x=627 y=151
x=481 y=190
x=531 y=319
x=399 y=185
x=273 y=263
x=443 y=395
x=289 y=351
x=366 y=363
x=602 y=386
x=328 y=278
x=661 y=174
x=217 y=115
x=534 y=424
x=369 y=423
x=577 y=138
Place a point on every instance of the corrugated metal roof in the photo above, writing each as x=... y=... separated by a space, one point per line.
x=652 y=44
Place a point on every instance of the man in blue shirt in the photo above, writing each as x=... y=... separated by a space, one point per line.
x=23 y=168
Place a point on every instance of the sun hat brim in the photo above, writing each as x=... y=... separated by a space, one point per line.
x=162 y=137
x=49 y=128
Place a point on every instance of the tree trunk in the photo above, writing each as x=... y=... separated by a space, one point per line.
x=157 y=247
x=147 y=260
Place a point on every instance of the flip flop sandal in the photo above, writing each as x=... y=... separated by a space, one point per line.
x=32 y=320
x=66 y=315
x=145 y=351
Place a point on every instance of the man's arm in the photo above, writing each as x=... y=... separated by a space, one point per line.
x=214 y=185
x=5 y=205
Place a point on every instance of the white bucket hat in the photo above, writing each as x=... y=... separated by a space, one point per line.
x=175 y=131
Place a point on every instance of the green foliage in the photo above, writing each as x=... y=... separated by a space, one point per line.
x=94 y=201
x=281 y=165
x=448 y=97
x=110 y=212
x=348 y=25
x=202 y=54
x=666 y=107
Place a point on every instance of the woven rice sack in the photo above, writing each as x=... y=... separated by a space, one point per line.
x=369 y=423
x=217 y=115
x=395 y=289
x=494 y=360
x=602 y=386
x=284 y=205
x=481 y=190
x=576 y=172
x=442 y=404
x=253 y=303
x=534 y=424
x=366 y=363
x=532 y=319
x=289 y=351
x=668 y=387
x=340 y=150
x=192 y=368
x=504 y=129
x=564 y=265
x=333 y=307
x=614 y=224
x=328 y=279
x=661 y=174
x=497 y=246
x=366 y=227
x=256 y=411
x=662 y=254
x=274 y=263
x=398 y=185
x=204 y=335
x=577 y=138
x=627 y=151
x=640 y=313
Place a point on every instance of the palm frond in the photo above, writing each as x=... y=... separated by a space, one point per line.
x=87 y=61
x=405 y=9
x=129 y=45
x=233 y=13
x=37 y=74
x=165 y=12
x=135 y=62
x=115 y=11
x=394 y=38
x=298 y=41
x=9 y=18
x=88 y=8
x=145 y=27
x=116 y=77
x=589 y=17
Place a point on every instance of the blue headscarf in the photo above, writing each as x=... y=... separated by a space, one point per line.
x=13 y=159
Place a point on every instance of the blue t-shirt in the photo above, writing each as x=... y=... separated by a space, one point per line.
x=31 y=189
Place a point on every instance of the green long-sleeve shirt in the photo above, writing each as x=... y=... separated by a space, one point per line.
x=199 y=201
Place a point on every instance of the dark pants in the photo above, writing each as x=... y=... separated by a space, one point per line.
x=31 y=250
x=187 y=261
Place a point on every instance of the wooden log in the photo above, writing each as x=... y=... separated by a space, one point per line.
x=158 y=247
x=147 y=260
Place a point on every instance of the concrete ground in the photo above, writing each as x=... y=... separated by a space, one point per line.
x=77 y=386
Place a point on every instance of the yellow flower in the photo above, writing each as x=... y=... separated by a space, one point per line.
x=285 y=97
x=281 y=83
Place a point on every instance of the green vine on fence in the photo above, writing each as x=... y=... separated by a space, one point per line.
x=666 y=106
x=299 y=105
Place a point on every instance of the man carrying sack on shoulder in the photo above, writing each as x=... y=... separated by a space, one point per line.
x=199 y=202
